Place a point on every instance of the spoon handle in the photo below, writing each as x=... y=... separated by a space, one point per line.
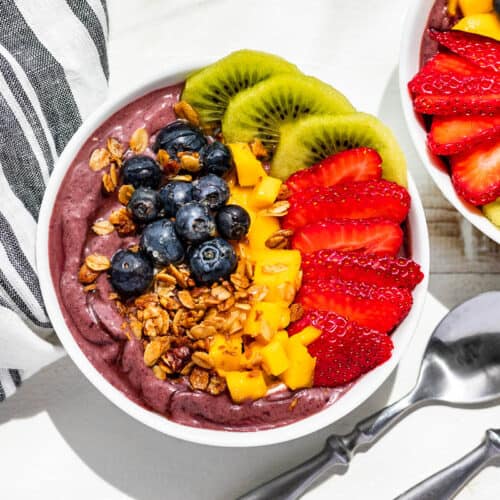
x=446 y=483
x=335 y=457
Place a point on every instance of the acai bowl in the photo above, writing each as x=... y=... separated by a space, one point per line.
x=265 y=386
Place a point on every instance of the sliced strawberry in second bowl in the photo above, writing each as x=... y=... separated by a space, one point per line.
x=375 y=236
x=446 y=105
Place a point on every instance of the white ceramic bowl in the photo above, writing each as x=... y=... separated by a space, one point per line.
x=361 y=390
x=409 y=65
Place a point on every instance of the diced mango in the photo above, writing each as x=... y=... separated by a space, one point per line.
x=469 y=7
x=246 y=385
x=481 y=24
x=261 y=228
x=307 y=336
x=274 y=358
x=225 y=353
x=282 y=337
x=265 y=192
x=273 y=316
x=248 y=168
x=279 y=270
x=300 y=372
x=242 y=196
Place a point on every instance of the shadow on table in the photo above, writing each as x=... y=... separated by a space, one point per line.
x=464 y=262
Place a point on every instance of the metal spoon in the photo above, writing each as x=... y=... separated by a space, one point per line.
x=461 y=366
x=446 y=483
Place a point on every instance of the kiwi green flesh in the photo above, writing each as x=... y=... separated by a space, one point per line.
x=312 y=139
x=209 y=90
x=262 y=110
x=492 y=212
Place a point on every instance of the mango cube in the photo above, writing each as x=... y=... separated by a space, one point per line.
x=261 y=228
x=282 y=337
x=248 y=168
x=274 y=358
x=267 y=315
x=300 y=372
x=246 y=385
x=265 y=192
x=225 y=353
x=308 y=335
x=279 y=270
x=469 y=7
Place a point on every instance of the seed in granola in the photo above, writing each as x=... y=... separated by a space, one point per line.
x=97 y=262
x=99 y=159
x=125 y=193
x=182 y=178
x=90 y=288
x=284 y=193
x=274 y=268
x=108 y=183
x=199 y=379
x=136 y=327
x=296 y=312
x=115 y=147
x=185 y=299
x=181 y=274
x=185 y=111
x=202 y=331
x=188 y=368
x=154 y=350
x=280 y=239
x=166 y=278
x=122 y=220
x=102 y=227
x=190 y=163
x=202 y=359
x=259 y=150
x=287 y=291
x=139 y=140
x=162 y=157
x=217 y=385
x=277 y=209
x=220 y=293
x=239 y=280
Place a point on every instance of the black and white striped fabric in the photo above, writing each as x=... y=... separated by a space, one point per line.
x=53 y=73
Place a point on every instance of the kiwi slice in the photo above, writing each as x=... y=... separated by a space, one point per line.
x=315 y=137
x=261 y=111
x=210 y=89
x=492 y=211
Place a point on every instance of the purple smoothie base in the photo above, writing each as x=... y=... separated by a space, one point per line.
x=94 y=320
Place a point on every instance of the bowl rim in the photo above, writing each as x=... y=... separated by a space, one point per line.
x=409 y=62
x=361 y=390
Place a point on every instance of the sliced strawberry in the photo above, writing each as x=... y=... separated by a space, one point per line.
x=345 y=350
x=354 y=200
x=377 y=236
x=444 y=62
x=360 y=164
x=480 y=50
x=451 y=135
x=453 y=84
x=444 y=105
x=476 y=174
x=378 y=270
x=380 y=308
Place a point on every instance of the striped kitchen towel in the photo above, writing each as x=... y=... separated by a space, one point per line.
x=53 y=73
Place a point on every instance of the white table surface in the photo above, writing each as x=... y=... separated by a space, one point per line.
x=61 y=439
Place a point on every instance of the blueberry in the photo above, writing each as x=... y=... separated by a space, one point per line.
x=160 y=243
x=141 y=171
x=144 y=204
x=212 y=260
x=131 y=273
x=497 y=6
x=194 y=223
x=179 y=136
x=174 y=195
x=233 y=222
x=216 y=159
x=211 y=191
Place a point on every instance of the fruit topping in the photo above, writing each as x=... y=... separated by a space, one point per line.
x=376 y=236
x=160 y=243
x=248 y=168
x=233 y=222
x=314 y=138
x=484 y=24
x=470 y=7
x=179 y=137
x=451 y=135
x=353 y=266
x=141 y=171
x=131 y=273
x=175 y=194
x=194 y=223
x=213 y=260
x=215 y=158
x=482 y=51
x=380 y=308
x=265 y=192
x=352 y=165
x=355 y=200
x=476 y=174
x=211 y=191
x=485 y=104
x=445 y=63
x=451 y=84
x=144 y=205
x=345 y=350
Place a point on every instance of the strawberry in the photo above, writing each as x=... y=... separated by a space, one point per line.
x=457 y=104
x=480 y=50
x=450 y=63
x=376 y=236
x=476 y=174
x=352 y=266
x=345 y=350
x=453 y=84
x=451 y=135
x=354 y=200
x=380 y=308
x=360 y=164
